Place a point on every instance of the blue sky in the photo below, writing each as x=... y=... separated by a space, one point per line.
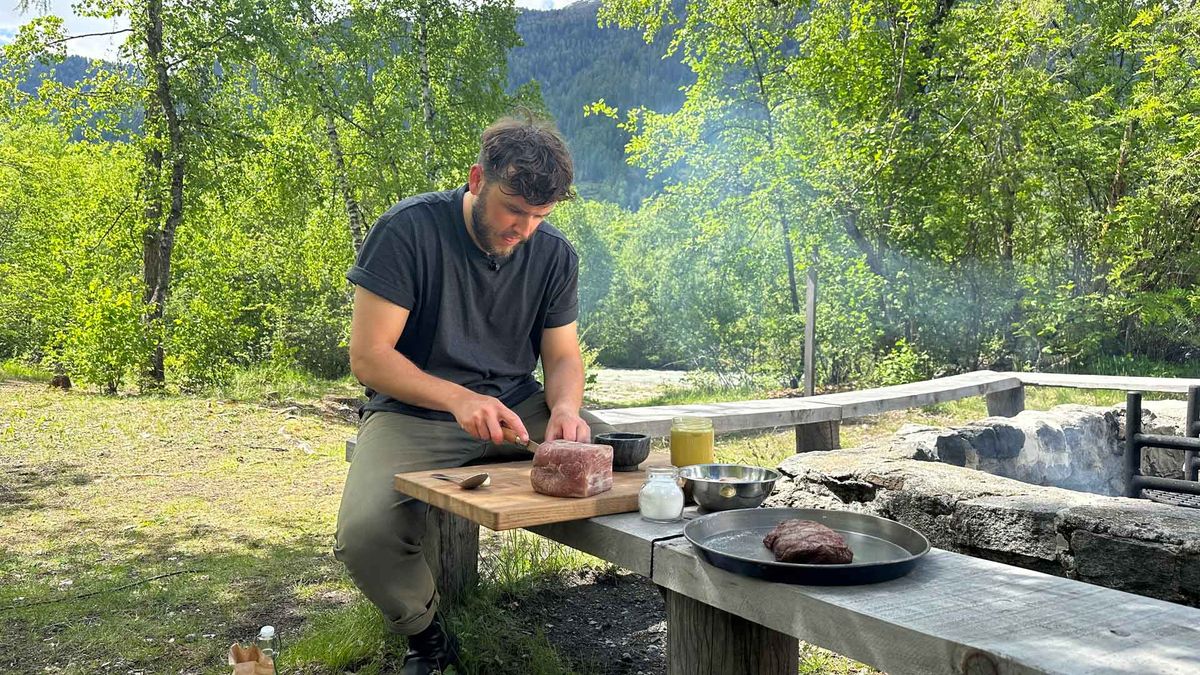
x=105 y=47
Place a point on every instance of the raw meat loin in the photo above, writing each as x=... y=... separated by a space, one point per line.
x=807 y=541
x=571 y=469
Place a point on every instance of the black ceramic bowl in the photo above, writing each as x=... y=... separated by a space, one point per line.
x=629 y=450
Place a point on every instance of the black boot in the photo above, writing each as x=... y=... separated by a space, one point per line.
x=431 y=651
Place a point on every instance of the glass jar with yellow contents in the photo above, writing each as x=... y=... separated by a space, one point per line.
x=691 y=441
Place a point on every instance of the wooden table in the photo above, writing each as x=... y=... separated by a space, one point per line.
x=451 y=544
x=510 y=502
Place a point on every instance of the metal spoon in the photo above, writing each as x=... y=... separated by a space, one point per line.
x=467 y=482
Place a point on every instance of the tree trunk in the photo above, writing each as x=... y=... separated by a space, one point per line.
x=780 y=206
x=158 y=239
x=789 y=257
x=354 y=214
x=874 y=259
x=358 y=225
x=1117 y=190
x=427 y=108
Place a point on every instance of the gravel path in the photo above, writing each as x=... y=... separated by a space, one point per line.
x=617 y=385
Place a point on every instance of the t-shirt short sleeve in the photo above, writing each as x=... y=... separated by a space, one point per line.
x=387 y=263
x=564 y=299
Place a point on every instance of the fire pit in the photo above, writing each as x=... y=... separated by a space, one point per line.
x=1039 y=490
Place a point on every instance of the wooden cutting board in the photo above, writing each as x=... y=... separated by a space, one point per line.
x=510 y=502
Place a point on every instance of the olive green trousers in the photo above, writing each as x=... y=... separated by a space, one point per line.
x=380 y=531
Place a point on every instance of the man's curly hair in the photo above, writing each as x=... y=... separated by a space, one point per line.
x=528 y=157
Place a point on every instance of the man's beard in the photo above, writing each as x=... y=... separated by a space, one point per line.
x=484 y=232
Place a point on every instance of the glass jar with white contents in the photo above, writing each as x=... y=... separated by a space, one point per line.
x=661 y=500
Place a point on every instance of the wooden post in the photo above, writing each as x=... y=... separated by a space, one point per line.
x=810 y=325
x=452 y=551
x=1006 y=403
x=704 y=639
x=818 y=436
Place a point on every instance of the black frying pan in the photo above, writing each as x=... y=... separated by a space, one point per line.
x=732 y=540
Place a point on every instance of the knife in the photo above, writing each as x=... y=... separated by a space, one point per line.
x=511 y=437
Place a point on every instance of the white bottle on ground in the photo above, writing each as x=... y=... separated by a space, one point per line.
x=268 y=644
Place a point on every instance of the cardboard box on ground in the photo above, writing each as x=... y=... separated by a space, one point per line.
x=250 y=661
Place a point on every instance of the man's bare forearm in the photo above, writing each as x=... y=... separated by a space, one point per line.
x=390 y=372
x=564 y=383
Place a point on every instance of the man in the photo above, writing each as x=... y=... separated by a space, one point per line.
x=457 y=295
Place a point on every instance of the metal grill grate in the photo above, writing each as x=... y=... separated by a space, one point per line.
x=1173 y=491
x=1173 y=498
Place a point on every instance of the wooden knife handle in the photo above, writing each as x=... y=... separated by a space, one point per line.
x=511 y=437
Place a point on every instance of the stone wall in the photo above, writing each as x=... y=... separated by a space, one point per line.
x=1132 y=545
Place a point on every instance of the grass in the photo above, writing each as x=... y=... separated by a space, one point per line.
x=1142 y=366
x=17 y=369
x=147 y=533
x=279 y=383
x=228 y=505
x=494 y=641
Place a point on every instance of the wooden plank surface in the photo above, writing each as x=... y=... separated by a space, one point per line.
x=1175 y=385
x=916 y=394
x=734 y=416
x=510 y=502
x=957 y=614
x=727 y=417
x=780 y=412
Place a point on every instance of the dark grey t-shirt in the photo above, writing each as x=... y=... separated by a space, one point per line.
x=472 y=321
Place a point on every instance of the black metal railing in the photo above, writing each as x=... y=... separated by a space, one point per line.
x=1184 y=492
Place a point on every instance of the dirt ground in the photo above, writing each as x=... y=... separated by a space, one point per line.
x=610 y=619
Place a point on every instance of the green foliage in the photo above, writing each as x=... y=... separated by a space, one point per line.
x=258 y=261
x=105 y=341
x=1002 y=185
x=18 y=369
x=68 y=298
x=273 y=381
x=902 y=365
x=988 y=172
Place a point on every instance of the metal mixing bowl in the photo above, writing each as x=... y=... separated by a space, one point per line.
x=720 y=487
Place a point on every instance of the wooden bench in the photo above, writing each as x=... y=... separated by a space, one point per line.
x=817 y=419
x=1171 y=385
x=953 y=614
